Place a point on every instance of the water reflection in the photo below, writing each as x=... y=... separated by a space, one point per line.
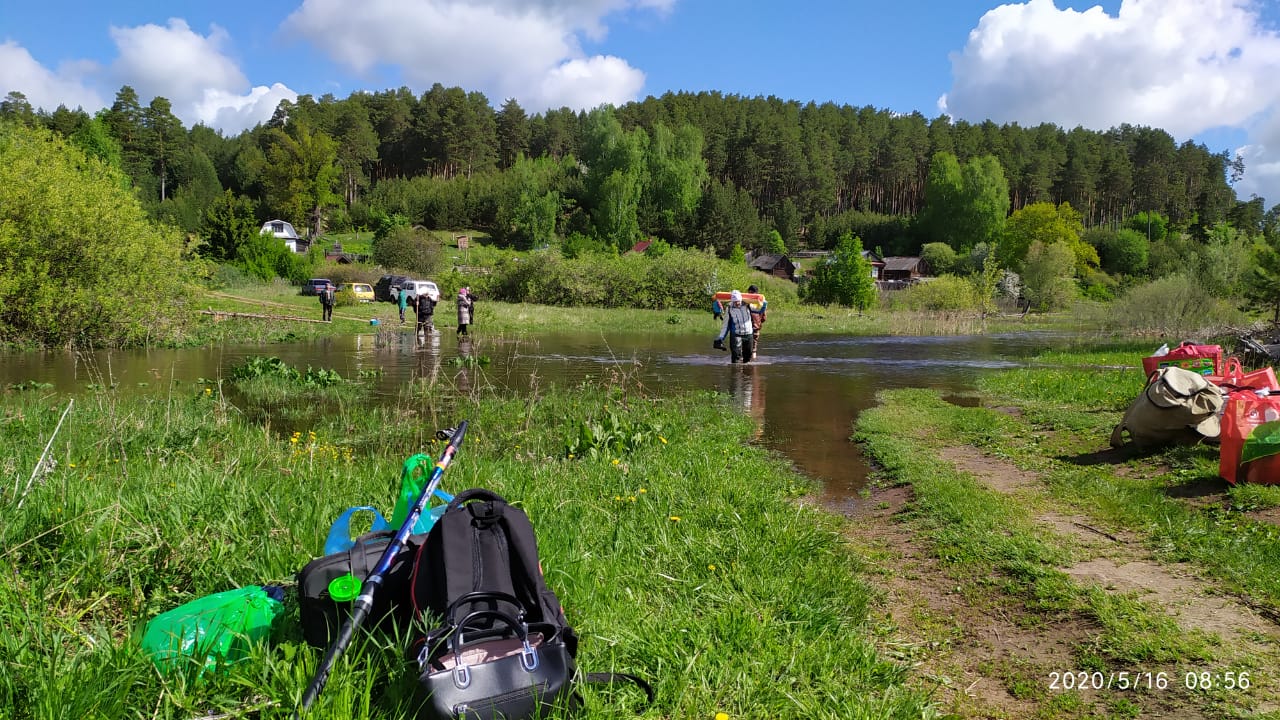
x=815 y=386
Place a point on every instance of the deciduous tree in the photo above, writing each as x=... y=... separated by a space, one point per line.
x=844 y=278
x=80 y=263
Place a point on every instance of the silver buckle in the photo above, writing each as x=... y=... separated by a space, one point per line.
x=529 y=657
x=462 y=677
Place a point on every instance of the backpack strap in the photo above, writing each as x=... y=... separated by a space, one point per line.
x=608 y=678
x=476 y=494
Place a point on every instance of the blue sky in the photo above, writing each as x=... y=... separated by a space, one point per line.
x=1202 y=69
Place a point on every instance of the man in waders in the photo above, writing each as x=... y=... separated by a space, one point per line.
x=737 y=327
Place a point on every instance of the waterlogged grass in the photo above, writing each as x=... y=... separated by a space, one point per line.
x=508 y=318
x=680 y=557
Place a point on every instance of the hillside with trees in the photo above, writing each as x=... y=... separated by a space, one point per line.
x=1067 y=211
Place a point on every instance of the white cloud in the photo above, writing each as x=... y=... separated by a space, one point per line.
x=233 y=113
x=191 y=70
x=589 y=83
x=45 y=88
x=1262 y=161
x=1183 y=65
x=504 y=48
x=194 y=73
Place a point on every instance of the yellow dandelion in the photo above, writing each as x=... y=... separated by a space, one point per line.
x=674 y=518
x=711 y=567
x=662 y=439
x=722 y=716
x=617 y=497
x=570 y=456
x=294 y=439
x=615 y=462
x=73 y=464
x=643 y=490
x=632 y=498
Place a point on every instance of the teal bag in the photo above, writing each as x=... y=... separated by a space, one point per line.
x=214 y=629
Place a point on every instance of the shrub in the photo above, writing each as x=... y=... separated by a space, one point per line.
x=940 y=257
x=945 y=293
x=345 y=298
x=1175 y=306
x=679 y=278
x=80 y=262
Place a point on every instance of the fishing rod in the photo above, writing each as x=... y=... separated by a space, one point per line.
x=364 y=602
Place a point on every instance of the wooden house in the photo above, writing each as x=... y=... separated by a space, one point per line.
x=775 y=265
x=904 y=269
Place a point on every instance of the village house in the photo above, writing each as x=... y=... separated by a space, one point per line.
x=904 y=269
x=283 y=230
x=775 y=265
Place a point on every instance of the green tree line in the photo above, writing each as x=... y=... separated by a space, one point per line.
x=686 y=167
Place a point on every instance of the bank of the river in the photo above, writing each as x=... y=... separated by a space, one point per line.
x=1017 y=557
x=283 y=301
x=678 y=551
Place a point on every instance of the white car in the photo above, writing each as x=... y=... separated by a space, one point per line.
x=422 y=286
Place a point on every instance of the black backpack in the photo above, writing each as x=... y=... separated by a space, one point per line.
x=500 y=645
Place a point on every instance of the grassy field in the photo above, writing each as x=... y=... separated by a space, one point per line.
x=1096 y=560
x=678 y=551
x=495 y=317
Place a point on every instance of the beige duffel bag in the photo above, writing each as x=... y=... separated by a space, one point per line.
x=1176 y=406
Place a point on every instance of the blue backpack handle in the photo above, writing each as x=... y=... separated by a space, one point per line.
x=340 y=539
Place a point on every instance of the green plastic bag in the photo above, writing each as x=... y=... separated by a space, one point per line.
x=215 y=629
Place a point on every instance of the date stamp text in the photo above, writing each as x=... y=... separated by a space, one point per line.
x=1145 y=680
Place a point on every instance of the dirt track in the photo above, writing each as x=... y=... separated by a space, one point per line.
x=986 y=656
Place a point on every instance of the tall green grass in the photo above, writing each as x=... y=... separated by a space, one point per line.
x=681 y=557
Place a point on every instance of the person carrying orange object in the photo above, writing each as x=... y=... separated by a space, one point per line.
x=737 y=327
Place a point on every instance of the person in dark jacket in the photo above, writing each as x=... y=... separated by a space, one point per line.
x=737 y=327
x=424 y=308
x=328 y=296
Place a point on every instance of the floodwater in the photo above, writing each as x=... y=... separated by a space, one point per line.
x=803 y=392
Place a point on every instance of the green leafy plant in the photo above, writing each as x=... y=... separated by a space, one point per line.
x=30 y=385
x=611 y=435
x=261 y=366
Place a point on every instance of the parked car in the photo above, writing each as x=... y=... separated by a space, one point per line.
x=362 y=291
x=315 y=285
x=422 y=286
x=388 y=286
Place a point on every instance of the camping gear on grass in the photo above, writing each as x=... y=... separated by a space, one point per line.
x=413 y=479
x=1235 y=378
x=1176 y=406
x=1250 y=449
x=339 y=538
x=217 y=628
x=364 y=602
x=1202 y=359
x=505 y=648
x=322 y=612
